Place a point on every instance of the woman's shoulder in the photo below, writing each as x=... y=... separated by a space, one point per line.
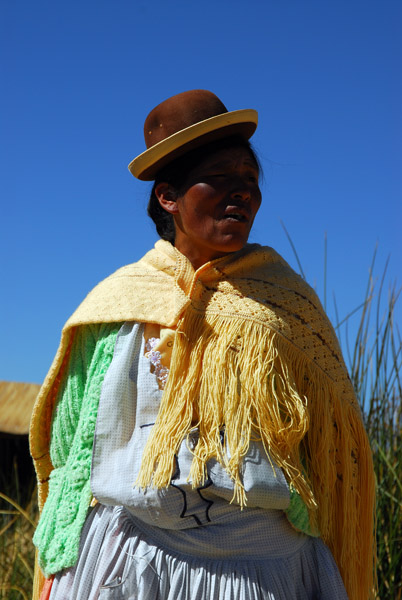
x=264 y=265
x=128 y=294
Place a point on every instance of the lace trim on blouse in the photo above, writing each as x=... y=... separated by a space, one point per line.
x=154 y=356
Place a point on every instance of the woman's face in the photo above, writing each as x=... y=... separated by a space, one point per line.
x=215 y=210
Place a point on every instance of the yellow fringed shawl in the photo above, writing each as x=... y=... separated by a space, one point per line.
x=254 y=353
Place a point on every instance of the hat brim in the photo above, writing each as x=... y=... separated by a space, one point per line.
x=242 y=122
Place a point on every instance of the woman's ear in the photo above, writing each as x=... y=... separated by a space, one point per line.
x=166 y=195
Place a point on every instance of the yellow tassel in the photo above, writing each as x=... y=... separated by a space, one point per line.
x=231 y=375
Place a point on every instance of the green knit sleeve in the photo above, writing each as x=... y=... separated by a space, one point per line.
x=297 y=514
x=58 y=533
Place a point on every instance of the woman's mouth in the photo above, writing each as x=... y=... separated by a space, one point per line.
x=236 y=214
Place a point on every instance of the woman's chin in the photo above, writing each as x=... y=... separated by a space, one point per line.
x=233 y=242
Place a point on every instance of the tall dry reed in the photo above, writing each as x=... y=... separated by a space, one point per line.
x=374 y=355
x=18 y=516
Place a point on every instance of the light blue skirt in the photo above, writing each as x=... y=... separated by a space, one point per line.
x=249 y=559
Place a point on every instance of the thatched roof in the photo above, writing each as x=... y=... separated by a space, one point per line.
x=16 y=403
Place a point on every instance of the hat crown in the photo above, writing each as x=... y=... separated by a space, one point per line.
x=184 y=122
x=179 y=112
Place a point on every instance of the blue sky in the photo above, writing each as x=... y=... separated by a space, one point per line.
x=78 y=80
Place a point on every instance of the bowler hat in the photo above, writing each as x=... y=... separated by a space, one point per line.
x=186 y=121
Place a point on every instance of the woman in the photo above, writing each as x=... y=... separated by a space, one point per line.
x=197 y=435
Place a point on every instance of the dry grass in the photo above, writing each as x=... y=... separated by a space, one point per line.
x=17 y=523
x=375 y=360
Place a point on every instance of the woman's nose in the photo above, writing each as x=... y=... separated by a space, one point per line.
x=241 y=192
x=240 y=188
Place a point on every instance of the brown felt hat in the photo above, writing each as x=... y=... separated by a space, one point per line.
x=186 y=121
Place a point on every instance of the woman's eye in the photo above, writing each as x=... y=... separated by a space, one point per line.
x=253 y=178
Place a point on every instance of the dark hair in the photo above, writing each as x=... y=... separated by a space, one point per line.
x=176 y=173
